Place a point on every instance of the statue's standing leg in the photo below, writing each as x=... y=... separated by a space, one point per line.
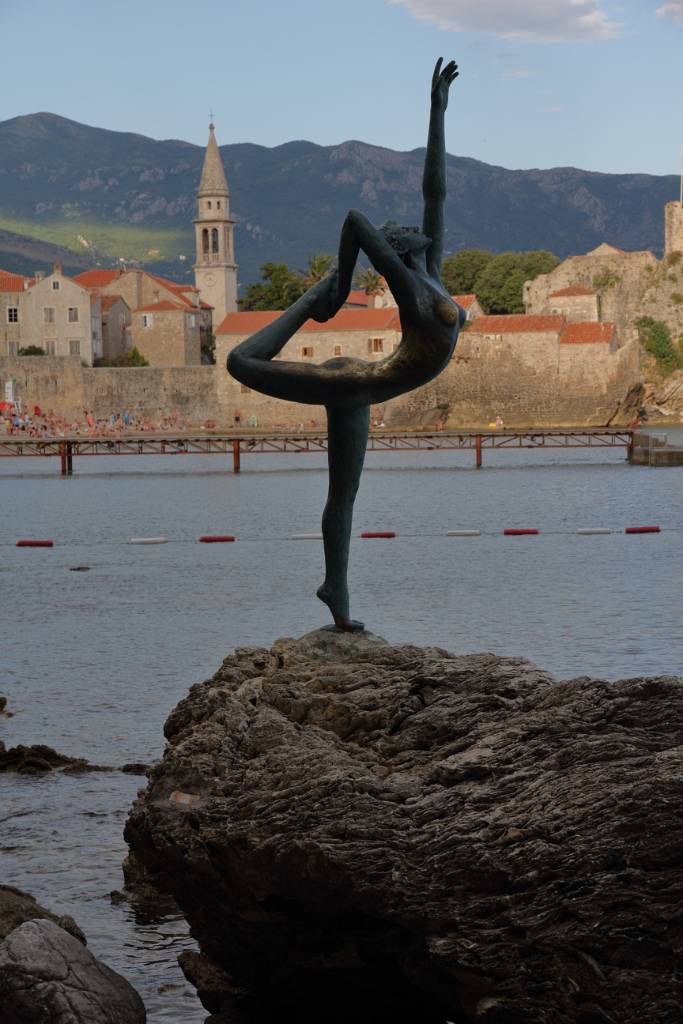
x=347 y=433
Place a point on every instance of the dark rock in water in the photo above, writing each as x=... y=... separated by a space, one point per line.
x=37 y=759
x=48 y=976
x=364 y=832
x=17 y=907
x=135 y=768
x=3 y=703
x=79 y=568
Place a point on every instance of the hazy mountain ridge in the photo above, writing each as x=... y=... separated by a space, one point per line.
x=105 y=195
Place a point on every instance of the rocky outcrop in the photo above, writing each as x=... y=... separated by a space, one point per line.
x=48 y=977
x=367 y=832
x=38 y=759
x=17 y=907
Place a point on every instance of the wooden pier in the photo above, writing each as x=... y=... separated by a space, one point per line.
x=237 y=444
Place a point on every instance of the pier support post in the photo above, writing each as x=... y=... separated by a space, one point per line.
x=236 y=456
x=478 y=450
x=69 y=458
x=629 y=450
x=62 y=457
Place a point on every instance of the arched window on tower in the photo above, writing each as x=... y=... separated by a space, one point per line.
x=205 y=240
x=214 y=239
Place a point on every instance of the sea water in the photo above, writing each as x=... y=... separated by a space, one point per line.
x=92 y=662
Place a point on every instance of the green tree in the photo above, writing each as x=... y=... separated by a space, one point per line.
x=319 y=266
x=32 y=350
x=655 y=337
x=500 y=285
x=459 y=272
x=369 y=281
x=279 y=288
x=132 y=358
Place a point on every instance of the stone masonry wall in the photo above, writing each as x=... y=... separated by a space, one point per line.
x=571 y=385
x=618 y=278
x=634 y=284
x=535 y=381
x=673 y=228
x=67 y=387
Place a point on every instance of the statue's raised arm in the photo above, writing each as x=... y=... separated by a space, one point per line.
x=434 y=178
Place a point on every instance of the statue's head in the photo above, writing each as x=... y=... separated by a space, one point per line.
x=405 y=241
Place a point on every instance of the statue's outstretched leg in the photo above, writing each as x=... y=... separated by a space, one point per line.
x=347 y=433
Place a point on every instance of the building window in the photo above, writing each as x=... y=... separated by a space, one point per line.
x=74 y=347
x=214 y=239
x=56 y=285
x=73 y=314
x=12 y=348
x=49 y=347
x=208 y=204
x=244 y=389
x=12 y=314
x=306 y=351
x=48 y=314
x=375 y=345
x=337 y=350
x=205 y=240
x=192 y=319
x=147 y=320
x=218 y=205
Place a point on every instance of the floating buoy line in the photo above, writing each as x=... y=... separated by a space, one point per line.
x=508 y=531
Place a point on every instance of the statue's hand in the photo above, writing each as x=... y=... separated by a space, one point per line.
x=441 y=83
x=325 y=299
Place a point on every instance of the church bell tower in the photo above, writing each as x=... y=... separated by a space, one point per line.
x=215 y=271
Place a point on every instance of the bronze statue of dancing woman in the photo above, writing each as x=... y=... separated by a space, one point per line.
x=409 y=260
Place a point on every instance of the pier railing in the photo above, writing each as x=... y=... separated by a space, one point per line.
x=237 y=444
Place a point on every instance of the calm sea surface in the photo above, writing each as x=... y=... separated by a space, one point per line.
x=93 y=662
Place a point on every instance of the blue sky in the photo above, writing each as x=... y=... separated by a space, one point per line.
x=544 y=83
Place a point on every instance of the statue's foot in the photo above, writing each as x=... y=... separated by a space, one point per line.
x=341 y=619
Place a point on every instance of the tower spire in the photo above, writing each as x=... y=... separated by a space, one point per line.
x=212 y=181
x=215 y=271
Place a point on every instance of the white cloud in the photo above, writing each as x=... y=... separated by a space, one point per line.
x=671 y=9
x=520 y=74
x=536 y=21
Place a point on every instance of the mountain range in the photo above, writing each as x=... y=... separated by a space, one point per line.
x=92 y=197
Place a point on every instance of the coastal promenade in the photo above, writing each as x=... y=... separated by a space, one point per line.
x=238 y=443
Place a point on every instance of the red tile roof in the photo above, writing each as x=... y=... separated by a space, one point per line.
x=573 y=289
x=96 y=278
x=345 y=320
x=358 y=320
x=247 y=322
x=165 y=306
x=12 y=282
x=517 y=323
x=102 y=278
x=357 y=297
x=464 y=300
x=587 y=333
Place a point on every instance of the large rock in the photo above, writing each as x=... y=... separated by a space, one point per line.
x=49 y=977
x=362 y=832
x=17 y=907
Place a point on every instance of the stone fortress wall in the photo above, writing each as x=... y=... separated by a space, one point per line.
x=563 y=388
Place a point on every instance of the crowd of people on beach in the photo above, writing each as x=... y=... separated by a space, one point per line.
x=39 y=423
